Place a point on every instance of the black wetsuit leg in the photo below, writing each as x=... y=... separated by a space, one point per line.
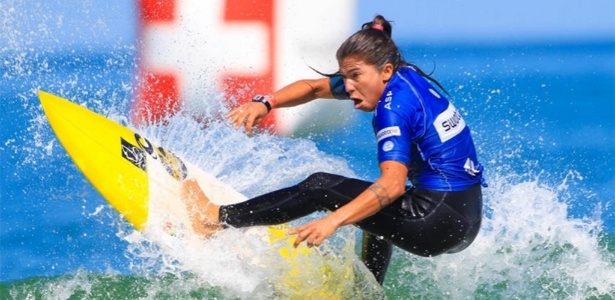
x=422 y=222
x=376 y=255
x=319 y=192
x=303 y=199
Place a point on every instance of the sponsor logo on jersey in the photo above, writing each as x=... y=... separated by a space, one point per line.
x=387 y=146
x=388 y=132
x=388 y=100
x=449 y=123
x=470 y=167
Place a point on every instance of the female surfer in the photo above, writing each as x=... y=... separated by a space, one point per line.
x=421 y=137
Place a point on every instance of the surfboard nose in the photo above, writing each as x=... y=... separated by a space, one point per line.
x=94 y=143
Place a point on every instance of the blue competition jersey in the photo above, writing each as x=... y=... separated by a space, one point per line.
x=419 y=127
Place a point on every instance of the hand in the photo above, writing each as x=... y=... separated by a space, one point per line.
x=247 y=115
x=315 y=232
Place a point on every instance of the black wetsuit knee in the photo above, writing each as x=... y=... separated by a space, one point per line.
x=318 y=192
x=320 y=180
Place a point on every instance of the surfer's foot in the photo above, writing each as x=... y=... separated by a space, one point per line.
x=203 y=213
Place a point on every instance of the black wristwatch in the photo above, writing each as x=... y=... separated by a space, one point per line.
x=262 y=99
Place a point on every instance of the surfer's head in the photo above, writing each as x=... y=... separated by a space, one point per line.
x=367 y=60
x=373 y=45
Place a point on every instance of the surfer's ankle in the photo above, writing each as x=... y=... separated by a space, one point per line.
x=212 y=213
x=205 y=229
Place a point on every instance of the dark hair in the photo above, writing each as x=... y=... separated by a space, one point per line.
x=379 y=20
x=373 y=44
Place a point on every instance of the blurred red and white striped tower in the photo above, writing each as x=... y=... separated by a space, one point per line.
x=196 y=54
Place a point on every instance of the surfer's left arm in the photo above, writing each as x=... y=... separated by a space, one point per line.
x=294 y=94
x=389 y=187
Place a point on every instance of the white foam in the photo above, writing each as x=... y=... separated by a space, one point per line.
x=528 y=247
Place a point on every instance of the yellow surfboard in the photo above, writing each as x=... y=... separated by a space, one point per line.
x=128 y=170
x=142 y=182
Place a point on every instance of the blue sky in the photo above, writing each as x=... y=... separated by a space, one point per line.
x=112 y=22
x=495 y=20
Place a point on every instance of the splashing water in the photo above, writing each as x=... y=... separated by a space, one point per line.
x=529 y=246
x=223 y=261
x=60 y=241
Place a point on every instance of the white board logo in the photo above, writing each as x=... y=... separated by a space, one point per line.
x=136 y=155
x=449 y=123
x=388 y=132
x=387 y=146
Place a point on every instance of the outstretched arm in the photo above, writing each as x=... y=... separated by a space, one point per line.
x=389 y=187
x=296 y=93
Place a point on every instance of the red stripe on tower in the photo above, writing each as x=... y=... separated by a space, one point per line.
x=157 y=10
x=234 y=84
x=157 y=92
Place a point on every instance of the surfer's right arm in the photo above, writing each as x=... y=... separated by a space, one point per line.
x=296 y=93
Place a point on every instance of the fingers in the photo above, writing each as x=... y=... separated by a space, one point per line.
x=308 y=233
x=247 y=115
x=301 y=236
x=309 y=241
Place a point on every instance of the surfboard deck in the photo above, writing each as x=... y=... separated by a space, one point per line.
x=142 y=181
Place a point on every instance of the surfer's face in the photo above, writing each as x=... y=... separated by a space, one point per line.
x=364 y=82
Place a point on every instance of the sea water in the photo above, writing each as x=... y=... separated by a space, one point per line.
x=542 y=116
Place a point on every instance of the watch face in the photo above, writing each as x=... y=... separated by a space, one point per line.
x=263 y=100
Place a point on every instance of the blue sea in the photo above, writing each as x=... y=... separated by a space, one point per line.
x=543 y=119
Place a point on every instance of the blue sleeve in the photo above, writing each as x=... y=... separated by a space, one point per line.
x=393 y=135
x=336 y=84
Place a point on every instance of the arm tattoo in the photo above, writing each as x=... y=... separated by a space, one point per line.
x=381 y=194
